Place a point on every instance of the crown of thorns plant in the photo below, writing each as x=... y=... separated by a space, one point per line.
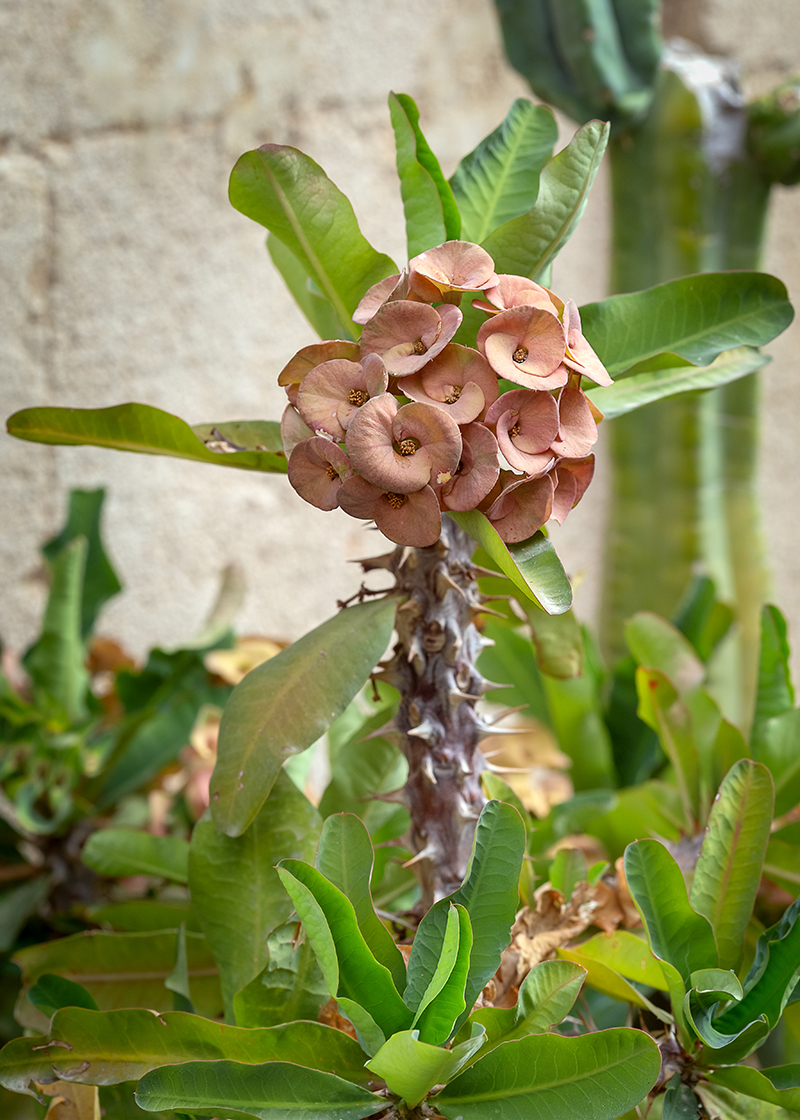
x=406 y=423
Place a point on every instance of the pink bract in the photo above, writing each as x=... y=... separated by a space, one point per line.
x=526 y=424
x=579 y=355
x=572 y=476
x=455 y=266
x=317 y=468
x=330 y=395
x=310 y=356
x=516 y=291
x=477 y=472
x=577 y=430
x=525 y=345
x=412 y=519
x=392 y=288
x=459 y=380
x=293 y=429
x=402 y=449
x=522 y=508
x=407 y=335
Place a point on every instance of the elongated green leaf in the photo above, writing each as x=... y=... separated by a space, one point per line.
x=411 y=1068
x=56 y=661
x=284 y=705
x=145 y=916
x=680 y=1102
x=639 y=389
x=532 y=565
x=527 y=245
x=274 y=1091
x=443 y=1000
x=50 y=993
x=776 y=743
x=499 y=180
x=286 y=191
x=728 y=871
x=355 y=974
x=127 y=851
x=677 y=933
x=604 y=979
x=100 y=581
x=661 y=708
x=657 y=644
x=628 y=955
x=775 y=693
x=547 y=1077
x=489 y=894
x=782 y=864
x=558 y=641
x=236 y=892
x=345 y=857
x=133 y=427
x=779 y=1085
x=232 y=436
x=729 y=1105
x=290 y=987
x=772 y=977
x=431 y=213
x=721 y=1047
x=308 y=298
x=108 y=1047
x=697 y=318
x=121 y=970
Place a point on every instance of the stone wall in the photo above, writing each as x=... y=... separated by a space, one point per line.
x=125 y=274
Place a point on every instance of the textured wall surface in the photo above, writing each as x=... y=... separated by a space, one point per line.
x=125 y=274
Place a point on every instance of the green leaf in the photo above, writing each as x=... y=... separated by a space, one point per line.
x=604 y=979
x=775 y=690
x=782 y=864
x=286 y=191
x=547 y=1077
x=567 y=870
x=16 y=906
x=532 y=565
x=702 y=618
x=657 y=644
x=290 y=987
x=241 y=435
x=349 y=968
x=628 y=955
x=680 y=1102
x=696 y=318
x=308 y=298
x=345 y=857
x=729 y=1105
x=490 y=895
x=677 y=933
x=178 y=980
x=56 y=661
x=558 y=641
x=443 y=1001
x=776 y=743
x=100 y=581
x=499 y=180
x=121 y=970
x=236 y=892
x=108 y=1047
x=431 y=213
x=118 y=852
x=133 y=427
x=411 y=1068
x=50 y=993
x=274 y=1091
x=526 y=245
x=779 y=1085
x=661 y=708
x=728 y=871
x=284 y=705
x=145 y=916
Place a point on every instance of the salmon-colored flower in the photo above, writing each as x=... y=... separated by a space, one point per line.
x=477 y=471
x=412 y=519
x=311 y=356
x=577 y=429
x=525 y=345
x=392 y=288
x=522 y=508
x=330 y=395
x=526 y=424
x=455 y=266
x=579 y=355
x=293 y=429
x=408 y=334
x=459 y=380
x=402 y=449
x=572 y=476
x=317 y=468
x=516 y=291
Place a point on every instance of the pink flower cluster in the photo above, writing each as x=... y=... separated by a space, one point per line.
x=406 y=423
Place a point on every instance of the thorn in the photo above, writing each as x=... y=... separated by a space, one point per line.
x=477 y=570
x=404 y=555
x=508 y=712
x=427 y=770
x=491 y=686
x=415 y=652
x=464 y=766
x=495 y=769
x=485 y=729
x=488 y=610
x=391 y=797
x=495 y=598
x=425 y=731
x=456 y=696
x=484 y=642
x=446 y=578
x=428 y=852
x=371 y=563
x=388 y=730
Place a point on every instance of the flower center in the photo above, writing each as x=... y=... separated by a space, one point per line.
x=419 y=347
x=515 y=430
x=407 y=446
x=357 y=397
x=520 y=355
x=455 y=393
x=331 y=472
x=395 y=500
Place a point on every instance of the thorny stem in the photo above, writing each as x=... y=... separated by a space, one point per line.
x=433 y=667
